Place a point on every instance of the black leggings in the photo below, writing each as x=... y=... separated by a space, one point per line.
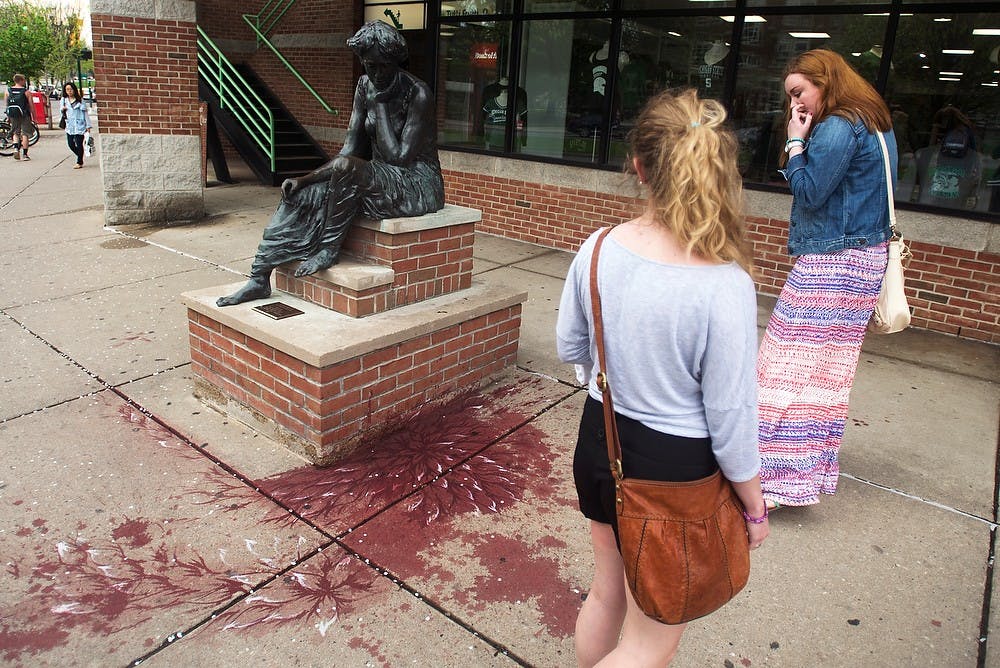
x=76 y=145
x=646 y=453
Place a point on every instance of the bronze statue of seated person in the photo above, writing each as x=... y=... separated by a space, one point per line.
x=388 y=167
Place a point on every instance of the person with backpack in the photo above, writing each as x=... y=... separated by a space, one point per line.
x=19 y=114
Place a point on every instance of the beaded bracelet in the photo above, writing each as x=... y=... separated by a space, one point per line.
x=755 y=520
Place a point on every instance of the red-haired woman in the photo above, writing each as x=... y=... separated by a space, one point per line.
x=839 y=232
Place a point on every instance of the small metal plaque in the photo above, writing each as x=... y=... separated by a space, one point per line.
x=277 y=310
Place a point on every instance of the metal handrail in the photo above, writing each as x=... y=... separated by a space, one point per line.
x=251 y=20
x=235 y=94
x=268 y=10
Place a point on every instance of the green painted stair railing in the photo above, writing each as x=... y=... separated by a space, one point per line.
x=262 y=24
x=236 y=96
x=269 y=15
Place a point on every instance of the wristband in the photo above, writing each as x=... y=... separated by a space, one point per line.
x=755 y=520
x=794 y=140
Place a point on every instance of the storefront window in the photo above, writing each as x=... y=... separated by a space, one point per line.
x=539 y=6
x=676 y=4
x=527 y=79
x=453 y=8
x=682 y=52
x=565 y=78
x=473 y=72
x=765 y=50
x=944 y=95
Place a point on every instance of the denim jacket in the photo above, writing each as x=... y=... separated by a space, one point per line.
x=77 y=118
x=838 y=188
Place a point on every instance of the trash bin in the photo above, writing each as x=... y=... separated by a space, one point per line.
x=40 y=108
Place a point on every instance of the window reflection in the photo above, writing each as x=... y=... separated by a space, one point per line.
x=765 y=50
x=451 y=8
x=945 y=101
x=565 y=70
x=668 y=53
x=572 y=99
x=473 y=75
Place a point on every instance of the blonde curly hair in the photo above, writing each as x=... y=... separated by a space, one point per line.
x=688 y=158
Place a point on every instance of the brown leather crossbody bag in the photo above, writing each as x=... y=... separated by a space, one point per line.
x=684 y=544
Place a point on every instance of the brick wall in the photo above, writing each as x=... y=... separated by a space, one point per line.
x=338 y=405
x=951 y=290
x=554 y=216
x=148 y=75
x=312 y=36
x=145 y=62
x=425 y=264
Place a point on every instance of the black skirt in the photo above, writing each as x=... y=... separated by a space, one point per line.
x=646 y=454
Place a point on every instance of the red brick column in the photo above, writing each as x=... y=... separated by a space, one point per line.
x=146 y=65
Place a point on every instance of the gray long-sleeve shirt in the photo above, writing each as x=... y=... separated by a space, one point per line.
x=681 y=342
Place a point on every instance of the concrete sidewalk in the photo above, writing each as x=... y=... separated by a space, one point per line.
x=142 y=526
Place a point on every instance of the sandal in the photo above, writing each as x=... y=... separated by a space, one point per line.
x=771 y=505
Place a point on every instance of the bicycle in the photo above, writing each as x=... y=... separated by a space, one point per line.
x=7 y=143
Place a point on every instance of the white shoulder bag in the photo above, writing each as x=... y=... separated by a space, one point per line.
x=892 y=313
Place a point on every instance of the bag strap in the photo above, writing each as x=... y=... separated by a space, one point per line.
x=610 y=426
x=888 y=184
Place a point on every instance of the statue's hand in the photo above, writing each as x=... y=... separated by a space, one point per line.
x=289 y=187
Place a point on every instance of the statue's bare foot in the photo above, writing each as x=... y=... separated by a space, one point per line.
x=324 y=259
x=255 y=288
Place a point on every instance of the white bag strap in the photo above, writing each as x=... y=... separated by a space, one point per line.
x=888 y=184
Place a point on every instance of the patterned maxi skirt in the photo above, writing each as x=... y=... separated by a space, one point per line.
x=806 y=367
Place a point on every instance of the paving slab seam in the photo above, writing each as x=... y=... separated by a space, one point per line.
x=335 y=539
x=37 y=179
x=457 y=464
x=105 y=385
x=178 y=636
x=984 y=620
x=61 y=212
x=60 y=297
x=444 y=612
x=172 y=250
x=85 y=370
x=332 y=540
x=940 y=506
x=551 y=378
x=515 y=263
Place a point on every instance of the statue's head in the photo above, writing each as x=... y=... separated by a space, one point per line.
x=381 y=38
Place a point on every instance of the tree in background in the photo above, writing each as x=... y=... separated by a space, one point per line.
x=25 y=39
x=67 y=46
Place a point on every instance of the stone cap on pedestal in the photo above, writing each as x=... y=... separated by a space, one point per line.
x=321 y=337
x=354 y=275
x=451 y=214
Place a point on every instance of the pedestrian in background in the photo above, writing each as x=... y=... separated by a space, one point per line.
x=19 y=114
x=839 y=232
x=680 y=333
x=77 y=120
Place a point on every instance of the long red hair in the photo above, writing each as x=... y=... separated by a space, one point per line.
x=844 y=92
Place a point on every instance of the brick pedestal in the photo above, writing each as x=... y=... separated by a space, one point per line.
x=325 y=380
x=419 y=258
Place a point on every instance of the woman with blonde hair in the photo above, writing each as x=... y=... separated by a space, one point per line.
x=839 y=232
x=679 y=312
